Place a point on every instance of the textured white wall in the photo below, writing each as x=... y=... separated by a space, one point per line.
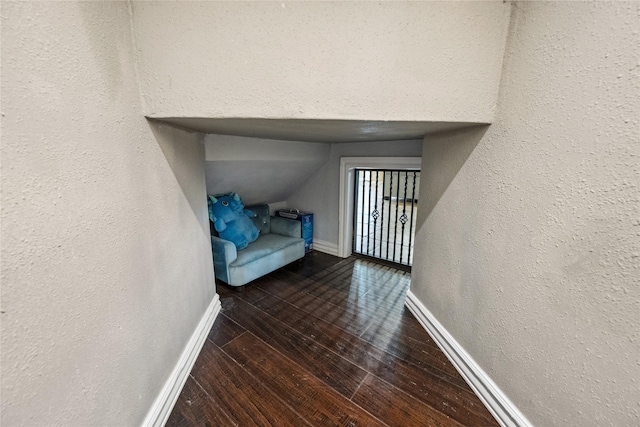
x=426 y=61
x=320 y=194
x=106 y=264
x=530 y=251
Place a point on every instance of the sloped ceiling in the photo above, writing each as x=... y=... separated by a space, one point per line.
x=264 y=169
x=260 y=170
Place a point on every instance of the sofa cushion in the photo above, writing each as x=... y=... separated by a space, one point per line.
x=268 y=253
x=265 y=245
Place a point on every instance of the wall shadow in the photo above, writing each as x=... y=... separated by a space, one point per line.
x=443 y=155
x=184 y=152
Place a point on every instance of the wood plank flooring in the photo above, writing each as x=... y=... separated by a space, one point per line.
x=324 y=342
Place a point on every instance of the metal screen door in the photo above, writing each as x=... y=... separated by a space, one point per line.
x=385 y=214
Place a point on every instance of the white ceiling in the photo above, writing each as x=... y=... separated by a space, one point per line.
x=315 y=130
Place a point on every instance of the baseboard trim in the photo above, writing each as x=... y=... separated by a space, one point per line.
x=325 y=247
x=163 y=405
x=505 y=412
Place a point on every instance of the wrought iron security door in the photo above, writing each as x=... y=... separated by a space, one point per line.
x=385 y=214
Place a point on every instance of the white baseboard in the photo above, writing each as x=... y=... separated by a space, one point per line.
x=325 y=247
x=163 y=405
x=505 y=412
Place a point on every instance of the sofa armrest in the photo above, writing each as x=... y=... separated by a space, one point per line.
x=286 y=227
x=224 y=253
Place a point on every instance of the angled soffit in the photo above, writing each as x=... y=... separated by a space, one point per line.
x=315 y=130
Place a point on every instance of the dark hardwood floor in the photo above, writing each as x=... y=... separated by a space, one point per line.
x=324 y=342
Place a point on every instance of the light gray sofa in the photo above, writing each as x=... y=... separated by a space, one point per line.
x=279 y=244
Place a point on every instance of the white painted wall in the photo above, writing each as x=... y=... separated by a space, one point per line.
x=106 y=265
x=260 y=170
x=320 y=194
x=530 y=249
x=425 y=61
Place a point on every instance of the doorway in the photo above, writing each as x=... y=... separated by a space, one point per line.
x=384 y=214
x=348 y=169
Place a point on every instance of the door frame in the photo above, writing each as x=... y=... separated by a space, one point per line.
x=348 y=165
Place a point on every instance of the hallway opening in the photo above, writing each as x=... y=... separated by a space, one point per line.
x=385 y=212
x=351 y=229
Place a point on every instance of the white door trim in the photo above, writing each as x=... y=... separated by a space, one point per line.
x=348 y=165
